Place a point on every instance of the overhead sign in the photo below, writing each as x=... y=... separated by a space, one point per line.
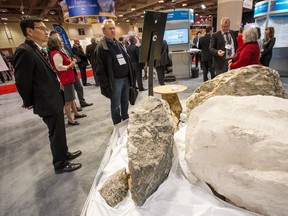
x=279 y=6
x=261 y=8
x=248 y=4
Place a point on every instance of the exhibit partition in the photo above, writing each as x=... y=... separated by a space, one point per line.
x=177 y=35
x=274 y=13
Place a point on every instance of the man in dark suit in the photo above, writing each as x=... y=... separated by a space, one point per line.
x=82 y=61
x=206 y=57
x=223 y=46
x=90 y=52
x=39 y=88
x=162 y=62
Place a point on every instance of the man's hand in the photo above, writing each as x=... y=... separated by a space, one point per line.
x=221 y=53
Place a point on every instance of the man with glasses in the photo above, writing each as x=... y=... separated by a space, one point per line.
x=114 y=69
x=39 y=88
x=223 y=46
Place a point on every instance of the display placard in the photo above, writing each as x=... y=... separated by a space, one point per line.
x=280 y=24
x=261 y=8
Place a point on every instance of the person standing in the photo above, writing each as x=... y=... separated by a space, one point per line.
x=195 y=44
x=162 y=62
x=77 y=84
x=133 y=52
x=90 y=52
x=206 y=57
x=223 y=46
x=39 y=88
x=267 y=44
x=113 y=66
x=82 y=61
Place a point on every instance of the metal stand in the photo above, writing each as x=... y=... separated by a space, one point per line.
x=151 y=63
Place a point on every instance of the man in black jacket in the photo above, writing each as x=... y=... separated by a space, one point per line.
x=113 y=66
x=223 y=46
x=39 y=88
x=206 y=57
x=82 y=61
x=90 y=52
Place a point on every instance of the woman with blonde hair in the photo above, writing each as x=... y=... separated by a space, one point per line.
x=64 y=68
x=268 y=44
x=249 y=53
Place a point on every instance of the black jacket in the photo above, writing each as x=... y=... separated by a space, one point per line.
x=204 y=46
x=104 y=69
x=78 y=51
x=90 y=52
x=36 y=80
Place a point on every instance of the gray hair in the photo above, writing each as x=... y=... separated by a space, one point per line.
x=250 y=35
x=105 y=23
x=53 y=43
x=225 y=20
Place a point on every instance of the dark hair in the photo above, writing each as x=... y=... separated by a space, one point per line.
x=132 y=39
x=271 y=31
x=241 y=30
x=53 y=43
x=259 y=32
x=53 y=33
x=28 y=22
x=208 y=29
x=121 y=38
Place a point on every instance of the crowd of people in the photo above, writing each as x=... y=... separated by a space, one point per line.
x=225 y=49
x=47 y=79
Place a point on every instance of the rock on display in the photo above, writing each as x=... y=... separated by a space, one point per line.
x=250 y=80
x=239 y=145
x=115 y=189
x=150 y=147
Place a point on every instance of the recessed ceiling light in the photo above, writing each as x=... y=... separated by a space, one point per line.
x=203 y=6
x=127 y=20
x=120 y=15
x=3 y=10
x=22 y=12
x=46 y=20
x=52 y=12
x=4 y=18
x=133 y=8
x=161 y=1
x=184 y=4
x=142 y=16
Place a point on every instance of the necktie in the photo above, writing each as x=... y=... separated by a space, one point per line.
x=228 y=42
x=45 y=54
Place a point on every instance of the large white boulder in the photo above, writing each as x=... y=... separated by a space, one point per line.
x=239 y=145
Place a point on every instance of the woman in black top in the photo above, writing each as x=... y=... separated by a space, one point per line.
x=268 y=44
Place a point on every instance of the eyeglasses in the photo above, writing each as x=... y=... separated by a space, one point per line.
x=42 y=28
x=110 y=28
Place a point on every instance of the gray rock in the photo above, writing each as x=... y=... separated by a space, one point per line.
x=150 y=147
x=239 y=145
x=115 y=189
x=245 y=81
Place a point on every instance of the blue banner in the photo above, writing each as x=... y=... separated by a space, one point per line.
x=82 y=7
x=63 y=36
x=279 y=6
x=261 y=8
x=178 y=15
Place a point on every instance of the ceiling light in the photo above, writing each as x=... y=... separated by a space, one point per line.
x=3 y=10
x=184 y=4
x=4 y=18
x=120 y=15
x=161 y=1
x=203 y=6
x=52 y=12
x=46 y=20
x=133 y=8
x=22 y=12
x=142 y=16
x=127 y=20
x=173 y=1
x=5 y=23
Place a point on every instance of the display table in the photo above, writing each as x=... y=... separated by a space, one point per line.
x=169 y=94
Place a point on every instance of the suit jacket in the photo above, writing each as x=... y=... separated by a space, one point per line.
x=78 y=51
x=36 y=81
x=90 y=52
x=217 y=42
x=133 y=52
x=204 y=43
x=164 y=58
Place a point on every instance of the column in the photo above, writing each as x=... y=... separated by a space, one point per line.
x=233 y=10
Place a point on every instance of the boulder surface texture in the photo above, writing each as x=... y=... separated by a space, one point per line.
x=239 y=145
x=245 y=81
x=115 y=189
x=150 y=147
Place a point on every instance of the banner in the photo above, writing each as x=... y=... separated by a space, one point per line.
x=87 y=11
x=261 y=8
x=63 y=36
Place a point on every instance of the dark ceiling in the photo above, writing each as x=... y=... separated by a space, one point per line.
x=50 y=9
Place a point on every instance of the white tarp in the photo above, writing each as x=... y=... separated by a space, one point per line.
x=175 y=197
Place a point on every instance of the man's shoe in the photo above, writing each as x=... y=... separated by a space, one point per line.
x=73 y=123
x=73 y=155
x=86 y=104
x=69 y=167
x=143 y=89
x=79 y=109
x=87 y=84
x=80 y=116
